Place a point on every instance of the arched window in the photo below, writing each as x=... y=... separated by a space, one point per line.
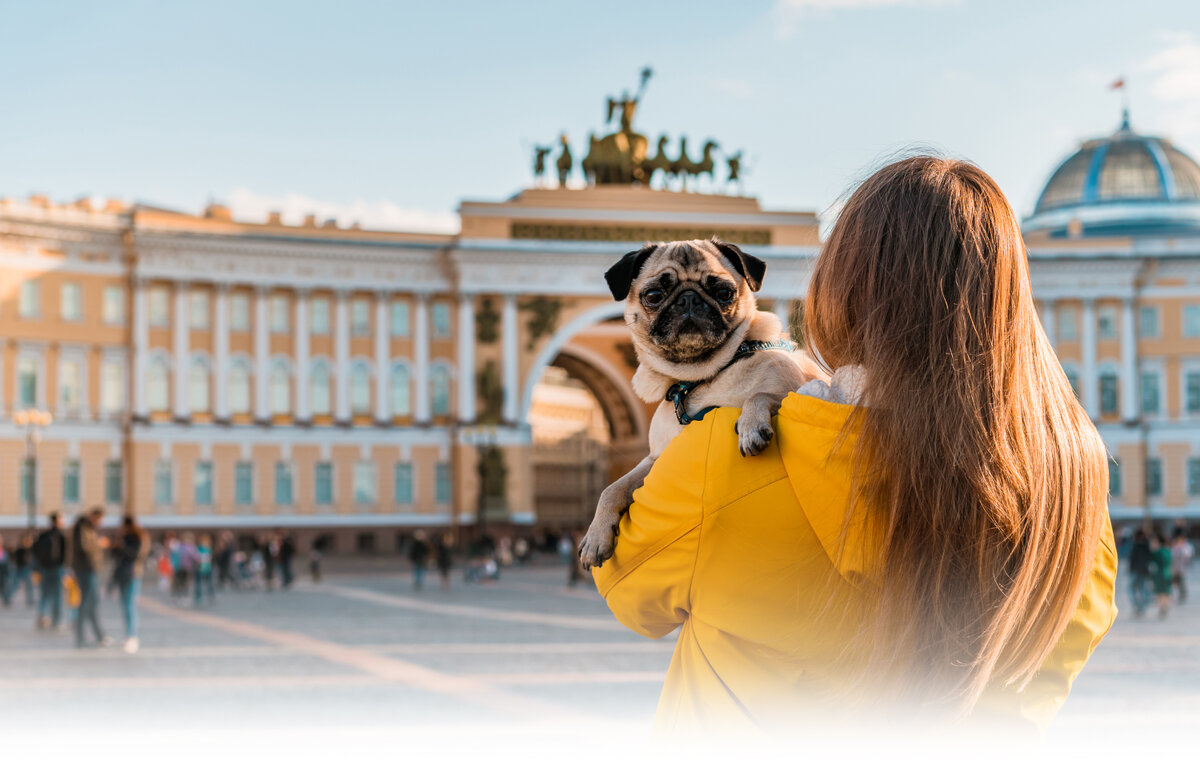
x=401 y=406
x=439 y=379
x=360 y=389
x=318 y=388
x=238 y=387
x=157 y=378
x=198 y=395
x=281 y=389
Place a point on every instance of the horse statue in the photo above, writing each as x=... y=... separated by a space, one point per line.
x=656 y=163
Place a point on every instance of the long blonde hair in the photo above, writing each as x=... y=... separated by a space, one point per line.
x=985 y=477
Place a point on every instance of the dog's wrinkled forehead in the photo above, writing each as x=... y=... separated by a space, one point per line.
x=687 y=260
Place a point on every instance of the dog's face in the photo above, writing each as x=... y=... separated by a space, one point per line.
x=685 y=300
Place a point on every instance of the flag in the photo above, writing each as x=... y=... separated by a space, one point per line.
x=1119 y=84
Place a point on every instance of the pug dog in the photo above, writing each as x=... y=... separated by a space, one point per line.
x=701 y=343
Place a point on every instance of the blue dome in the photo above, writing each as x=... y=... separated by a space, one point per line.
x=1126 y=184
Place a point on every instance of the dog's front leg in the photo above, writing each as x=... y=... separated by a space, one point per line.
x=754 y=429
x=601 y=538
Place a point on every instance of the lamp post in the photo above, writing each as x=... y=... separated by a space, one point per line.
x=484 y=438
x=32 y=421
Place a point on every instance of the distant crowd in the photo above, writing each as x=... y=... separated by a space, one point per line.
x=1157 y=567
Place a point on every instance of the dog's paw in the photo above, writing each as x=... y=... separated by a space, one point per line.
x=752 y=439
x=598 y=544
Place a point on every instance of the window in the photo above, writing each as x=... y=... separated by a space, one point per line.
x=239 y=312
x=279 y=314
x=70 y=308
x=238 y=390
x=439 y=379
x=1148 y=322
x=1114 y=477
x=30 y=304
x=160 y=310
x=360 y=389
x=1150 y=393
x=399 y=319
x=162 y=482
x=1191 y=321
x=243 y=483
x=70 y=380
x=1154 y=476
x=1107 y=320
x=1193 y=476
x=281 y=389
x=1072 y=378
x=203 y=485
x=71 y=481
x=442 y=483
x=364 y=483
x=360 y=316
x=1108 y=392
x=198 y=309
x=404 y=483
x=113 y=308
x=441 y=320
x=114 y=487
x=318 y=387
x=198 y=385
x=156 y=384
x=401 y=406
x=1066 y=323
x=27 y=382
x=28 y=481
x=283 y=484
x=1192 y=389
x=323 y=490
x=319 y=313
x=112 y=386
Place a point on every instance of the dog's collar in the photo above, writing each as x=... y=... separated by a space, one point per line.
x=678 y=393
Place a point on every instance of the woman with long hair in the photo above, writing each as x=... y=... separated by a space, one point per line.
x=131 y=550
x=927 y=536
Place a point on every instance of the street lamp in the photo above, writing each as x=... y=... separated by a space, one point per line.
x=484 y=437
x=32 y=421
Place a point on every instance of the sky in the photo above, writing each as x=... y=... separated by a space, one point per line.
x=392 y=113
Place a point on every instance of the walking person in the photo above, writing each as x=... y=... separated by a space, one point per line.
x=5 y=573
x=132 y=548
x=315 y=554
x=223 y=558
x=50 y=553
x=87 y=560
x=1182 y=552
x=270 y=559
x=418 y=555
x=444 y=558
x=203 y=572
x=1160 y=568
x=287 y=558
x=22 y=562
x=1139 y=572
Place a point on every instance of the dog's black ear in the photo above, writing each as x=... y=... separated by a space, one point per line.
x=622 y=274
x=749 y=267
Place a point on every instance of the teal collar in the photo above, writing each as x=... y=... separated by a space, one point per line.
x=678 y=393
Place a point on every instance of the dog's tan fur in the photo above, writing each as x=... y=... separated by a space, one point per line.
x=756 y=383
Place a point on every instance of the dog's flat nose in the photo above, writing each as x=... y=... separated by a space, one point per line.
x=688 y=301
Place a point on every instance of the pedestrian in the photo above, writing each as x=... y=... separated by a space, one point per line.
x=132 y=548
x=203 y=571
x=444 y=558
x=50 y=553
x=575 y=568
x=223 y=558
x=1160 y=568
x=22 y=561
x=315 y=554
x=5 y=573
x=418 y=555
x=87 y=560
x=270 y=558
x=287 y=557
x=1182 y=552
x=163 y=565
x=1139 y=572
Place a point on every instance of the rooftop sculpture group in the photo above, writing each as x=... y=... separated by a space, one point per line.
x=622 y=158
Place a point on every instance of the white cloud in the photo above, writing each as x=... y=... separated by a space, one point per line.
x=1173 y=76
x=373 y=215
x=787 y=12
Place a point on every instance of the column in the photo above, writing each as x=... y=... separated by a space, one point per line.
x=1048 y=320
x=301 y=335
x=221 y=353
x=1089 y=379
x=341 y=355
x=141 y=349
x=1130 y=409
x=782 y=310
x=262 y=351
x=512 y=391
x=180 y=347
x=383 y=356
x=421 y=412
x=466 y=358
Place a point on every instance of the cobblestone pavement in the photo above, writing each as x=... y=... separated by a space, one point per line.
x=364 y=652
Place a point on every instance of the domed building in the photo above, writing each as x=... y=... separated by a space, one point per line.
x=1121 y=185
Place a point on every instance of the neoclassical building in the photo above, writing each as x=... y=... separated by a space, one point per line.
x=205 y=372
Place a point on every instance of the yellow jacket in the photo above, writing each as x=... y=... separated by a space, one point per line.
x=744 y=554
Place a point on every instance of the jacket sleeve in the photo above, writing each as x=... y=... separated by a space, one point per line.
x=647 y=582
x=1042 y=698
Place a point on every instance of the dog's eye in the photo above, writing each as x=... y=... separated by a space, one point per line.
x=653 y=297
x=724 y=293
